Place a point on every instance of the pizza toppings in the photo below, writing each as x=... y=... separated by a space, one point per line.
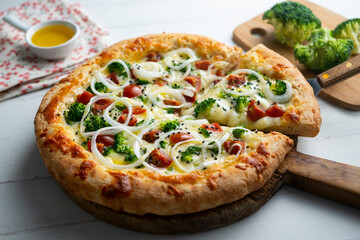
x=117 y=111
x=203 y=64
x=132 y=91
x=234 y=147
x=212 y=127
x=274 y=111
x=159 y=159
x=151 y=136
x=179 y=137
x=85 y=97
x=236 y=80
x=255 y=111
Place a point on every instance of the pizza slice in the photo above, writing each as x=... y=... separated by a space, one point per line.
x=264 y=92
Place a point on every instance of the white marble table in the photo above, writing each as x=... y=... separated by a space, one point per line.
x=32 y=206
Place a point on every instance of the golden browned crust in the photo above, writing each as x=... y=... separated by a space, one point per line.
x=142 y=191
x=303 y=118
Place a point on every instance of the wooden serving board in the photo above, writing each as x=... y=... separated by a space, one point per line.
x=345 y=94
x=326 y=178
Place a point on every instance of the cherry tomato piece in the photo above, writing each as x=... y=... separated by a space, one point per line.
x=190 y=99
x=160 y=82
x=102 y=104
x=233 y=147
x=136 y=110
x=179 y=137
x=132 y=91
x=203 y=64
x=235 y=80
x=132 y=122
x=100 y=146
x=159 y=159
x=274 y=111
x=255 y=111
x=153 y=57
x=107 y=140
x=212 y=127
x=194 y=81
x=85 y=97
x=150 y=137
x=113 y=78
x=172 y=102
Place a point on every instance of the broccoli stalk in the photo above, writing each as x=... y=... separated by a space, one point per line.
x=324 y=51
x=293 y=22
x=349 y=29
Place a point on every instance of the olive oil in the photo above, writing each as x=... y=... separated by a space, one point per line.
x=52 y=35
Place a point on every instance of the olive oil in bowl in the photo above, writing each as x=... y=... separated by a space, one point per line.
x=52 y=35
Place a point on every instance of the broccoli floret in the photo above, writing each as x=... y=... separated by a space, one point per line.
x=252 y=76
x=170 y=110
x=349 y=29
x=169 y=125
x=99 y=86
x=204 y=106
x=120 y=146
x=74 y=113
x=204 y=132
x=241 y=104
x=143 y=98
x=293 y=22
x=93 y=123
x=323 y=52
x=175 y=86
x=186 y=156
x=116 y=67
x=163 y=144
x=142 y=82
x=238 y=132
x=279 y=88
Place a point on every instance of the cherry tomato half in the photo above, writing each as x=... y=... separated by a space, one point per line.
x=85 y=97
x=179 y=137
x=159 y=159
x=132 y=91
x=212 y=127
x=255 y=111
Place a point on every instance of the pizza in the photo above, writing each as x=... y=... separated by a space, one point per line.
x=169 y=123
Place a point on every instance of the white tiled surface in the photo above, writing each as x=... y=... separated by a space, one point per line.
x=32 y=206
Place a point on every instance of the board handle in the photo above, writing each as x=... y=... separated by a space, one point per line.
x=333 y=180
x=339 y=72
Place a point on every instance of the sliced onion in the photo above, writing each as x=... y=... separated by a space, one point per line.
x=175 y=160
x=106 y=160
x=177 y=94
x=278 y=98
x=188 y=51
x=87 y=110
x=148 y=70
x=129 y=106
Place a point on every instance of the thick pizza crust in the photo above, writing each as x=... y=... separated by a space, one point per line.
x=141 y=191
x=303 y=118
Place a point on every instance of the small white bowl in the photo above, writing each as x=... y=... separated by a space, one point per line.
x=55 y=52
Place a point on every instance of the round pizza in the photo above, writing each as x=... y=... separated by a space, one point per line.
x=169 y=123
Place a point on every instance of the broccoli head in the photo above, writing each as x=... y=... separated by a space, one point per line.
x=94 y=123
x=204 y=106
x=350 y=29
x=169 y=125
x=293 y=22
x=324 y=51
x=74 y=113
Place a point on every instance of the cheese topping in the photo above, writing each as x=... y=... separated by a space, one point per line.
x=143 y=115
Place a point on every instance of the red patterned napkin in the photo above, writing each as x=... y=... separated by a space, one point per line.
x=20 y=70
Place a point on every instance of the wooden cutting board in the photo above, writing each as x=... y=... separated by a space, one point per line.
x=345 y=94
x=323 y=177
